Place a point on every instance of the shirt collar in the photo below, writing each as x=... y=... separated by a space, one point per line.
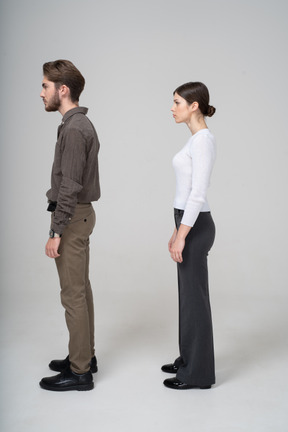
x=73 y=111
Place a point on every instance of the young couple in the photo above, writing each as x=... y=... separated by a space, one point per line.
x=75 y=184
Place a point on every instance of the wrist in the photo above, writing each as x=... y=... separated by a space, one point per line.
x=53 y=234
x=183 y=231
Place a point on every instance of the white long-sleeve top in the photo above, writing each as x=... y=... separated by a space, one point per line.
x=193 y=166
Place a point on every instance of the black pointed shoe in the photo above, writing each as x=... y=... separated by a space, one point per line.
x=169 y=368
x=174 y=383
x=68 y=380
x=61 y=365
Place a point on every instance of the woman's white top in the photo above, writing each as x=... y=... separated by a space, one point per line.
x=193 y=166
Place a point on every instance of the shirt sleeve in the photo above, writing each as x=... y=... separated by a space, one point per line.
x=202 y=152
x=73 y=161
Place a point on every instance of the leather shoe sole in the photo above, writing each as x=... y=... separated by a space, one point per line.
x=176 y=384
x=169 y=368
x=68 y=380
x=61 y=365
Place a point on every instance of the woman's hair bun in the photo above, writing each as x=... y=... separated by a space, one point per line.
x=210 y=111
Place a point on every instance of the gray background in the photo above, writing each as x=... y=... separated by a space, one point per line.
x=133 y=55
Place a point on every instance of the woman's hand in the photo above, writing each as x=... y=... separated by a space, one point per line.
x=177 y=243
x=172 y=239
x=177 y=249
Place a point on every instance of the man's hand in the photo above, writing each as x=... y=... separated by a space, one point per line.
x=52 y=247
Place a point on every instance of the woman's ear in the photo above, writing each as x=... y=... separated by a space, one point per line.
x=194 y=106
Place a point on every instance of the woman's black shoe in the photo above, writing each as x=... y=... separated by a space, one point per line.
x=68 y=380
x=61 y=365
x=169 y=368
x=174 y=383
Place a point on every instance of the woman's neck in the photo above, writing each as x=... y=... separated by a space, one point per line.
x=195 y=125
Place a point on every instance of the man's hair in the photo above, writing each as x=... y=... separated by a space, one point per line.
x=64 y=72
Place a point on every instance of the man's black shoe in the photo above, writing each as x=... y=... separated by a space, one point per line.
x=61 y=365
x=169 y=368
x=68 y=380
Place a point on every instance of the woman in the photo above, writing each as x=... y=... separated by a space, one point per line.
x=191 y=241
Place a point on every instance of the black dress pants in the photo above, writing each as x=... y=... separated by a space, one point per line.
x=196 y=361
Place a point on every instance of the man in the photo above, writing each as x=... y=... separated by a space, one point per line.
x=74 y=184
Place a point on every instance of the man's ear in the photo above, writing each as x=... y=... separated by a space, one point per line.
x=64 y=91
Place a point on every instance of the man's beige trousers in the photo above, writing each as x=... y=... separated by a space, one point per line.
x=76 y=293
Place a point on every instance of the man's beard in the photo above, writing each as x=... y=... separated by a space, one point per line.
x=54 y=103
